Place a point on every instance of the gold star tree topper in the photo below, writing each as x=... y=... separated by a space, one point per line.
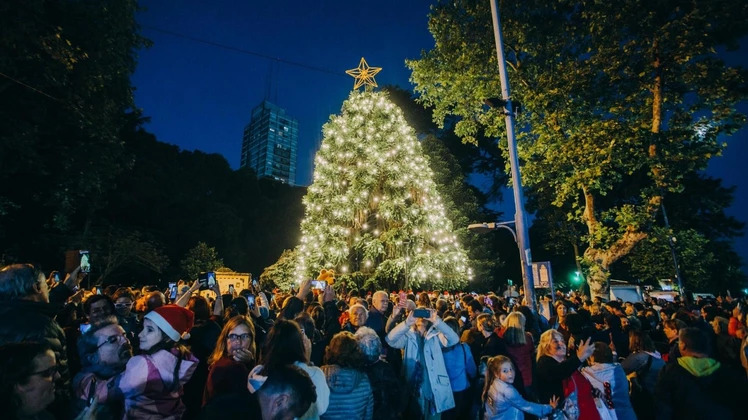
x=364 y=74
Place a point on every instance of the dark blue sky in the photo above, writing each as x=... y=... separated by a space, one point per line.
x=199 y=96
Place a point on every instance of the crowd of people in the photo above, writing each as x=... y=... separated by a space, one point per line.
x=68 y=352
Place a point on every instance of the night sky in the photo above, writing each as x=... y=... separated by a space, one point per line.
x=212 y=62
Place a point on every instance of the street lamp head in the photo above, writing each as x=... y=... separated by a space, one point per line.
x=480 y=227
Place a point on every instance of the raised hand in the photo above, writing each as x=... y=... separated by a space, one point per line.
x=585 y=350
x=410 y=320
x=433 y=317
x=243 y=355
x=73 y=279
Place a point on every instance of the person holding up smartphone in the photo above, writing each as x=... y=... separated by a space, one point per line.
x=422 y=336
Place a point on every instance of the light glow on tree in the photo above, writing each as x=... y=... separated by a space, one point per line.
x=372 y=211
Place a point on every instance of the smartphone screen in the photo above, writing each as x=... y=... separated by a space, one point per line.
x=84 y=327
x=207 y=280
x=231 y=289
x=318 y=284
x=85 y=264
x=172 y=290
x=421 y=313
x=251 y=300
x=57 y=277
x=403 y=298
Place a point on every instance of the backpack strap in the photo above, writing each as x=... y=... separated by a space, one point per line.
x=644 y=369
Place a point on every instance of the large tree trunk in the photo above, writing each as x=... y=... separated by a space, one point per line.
x=598 y=259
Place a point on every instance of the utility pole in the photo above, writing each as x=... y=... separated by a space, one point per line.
x=519 y=207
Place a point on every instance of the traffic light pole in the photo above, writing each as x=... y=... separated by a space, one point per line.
x=523 y=238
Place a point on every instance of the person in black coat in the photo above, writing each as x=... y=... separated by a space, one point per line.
x=27 y=313
x=697 y=386
x=553 y=366
x=483 y=340
x=616 y=334
x=385 y=384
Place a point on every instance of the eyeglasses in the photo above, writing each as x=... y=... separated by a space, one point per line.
x=112 y=339
x=123 y=305
x=47 y=373
x=237 y=337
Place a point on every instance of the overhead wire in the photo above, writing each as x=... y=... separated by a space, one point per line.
x=243 y=51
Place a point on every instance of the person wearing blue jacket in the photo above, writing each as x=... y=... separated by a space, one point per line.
x=461 y=369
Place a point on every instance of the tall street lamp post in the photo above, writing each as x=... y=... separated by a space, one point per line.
x=523 y=238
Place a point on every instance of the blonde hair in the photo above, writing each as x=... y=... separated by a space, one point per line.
x=493 y=365
x=545 y=342
x=515 y=329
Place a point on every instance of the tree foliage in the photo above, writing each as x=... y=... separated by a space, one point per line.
x=199 y=259
x=373 y=212
x=281 y=273
x=611 y=93
x=118 y=250
x=66 y=98
x=452 y=163
x=703 y=236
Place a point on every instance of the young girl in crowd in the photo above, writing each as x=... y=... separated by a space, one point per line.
x=500 y=398
x=152 y=382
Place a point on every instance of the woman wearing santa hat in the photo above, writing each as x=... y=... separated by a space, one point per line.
x=152 y=382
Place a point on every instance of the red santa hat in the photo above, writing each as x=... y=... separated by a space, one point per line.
x=175 y=321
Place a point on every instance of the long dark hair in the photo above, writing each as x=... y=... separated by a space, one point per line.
x=182 y=352
x=283 y=345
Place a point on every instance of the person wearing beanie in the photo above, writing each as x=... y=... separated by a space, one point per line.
x=152 y=382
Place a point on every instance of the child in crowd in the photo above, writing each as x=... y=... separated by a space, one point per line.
x=152 y=382
x=501 y=400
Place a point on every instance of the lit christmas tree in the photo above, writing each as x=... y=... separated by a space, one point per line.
x=372 y=212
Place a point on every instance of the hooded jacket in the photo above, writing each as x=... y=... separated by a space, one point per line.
x=612 y=373
x=700 y=388
x=350 y=394
x=438 y=336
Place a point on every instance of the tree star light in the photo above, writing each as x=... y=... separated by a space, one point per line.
x=364 y=74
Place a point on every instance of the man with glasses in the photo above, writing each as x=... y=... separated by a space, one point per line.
x=104 y=351
x=28 y=372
